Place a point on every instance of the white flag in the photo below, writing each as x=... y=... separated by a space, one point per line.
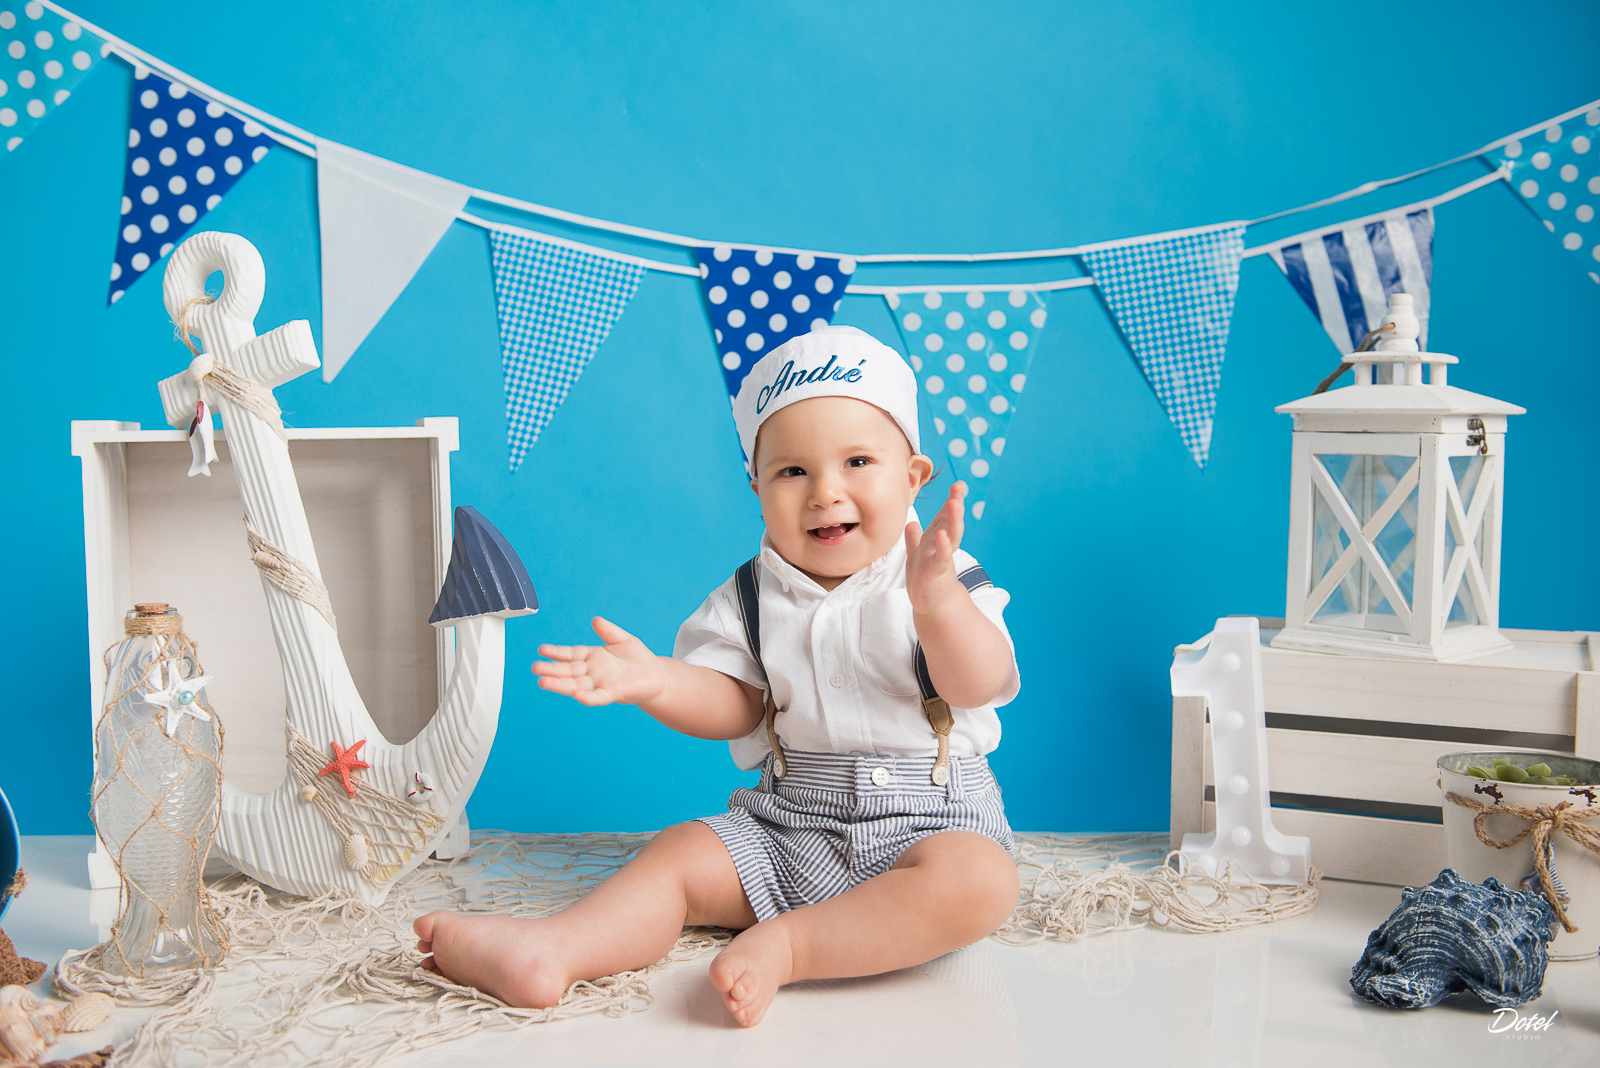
x=379 y=221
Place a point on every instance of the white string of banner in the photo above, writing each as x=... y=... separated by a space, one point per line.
x=304 y=142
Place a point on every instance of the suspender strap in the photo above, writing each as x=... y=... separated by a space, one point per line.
x=747 y=587
x=936 y=708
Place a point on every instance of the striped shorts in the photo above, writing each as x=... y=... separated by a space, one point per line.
x=834 y=821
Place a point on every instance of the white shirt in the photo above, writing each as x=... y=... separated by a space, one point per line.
x=839 y=661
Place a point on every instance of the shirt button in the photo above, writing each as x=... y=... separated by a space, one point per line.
x=836 y=681
x=880 y=776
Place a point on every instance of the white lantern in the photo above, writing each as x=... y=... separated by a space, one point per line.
x=1394 y=509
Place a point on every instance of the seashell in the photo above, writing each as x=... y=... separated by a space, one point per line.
x=88 y=1011
x=49 y=1021
x=356 y=853
x=1452 y=935
x=17 y=997
x=19 y=1039
x=421 y=789
x=308 y=793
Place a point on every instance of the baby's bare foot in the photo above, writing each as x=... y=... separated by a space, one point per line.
x=749 y=972
x=515 y=960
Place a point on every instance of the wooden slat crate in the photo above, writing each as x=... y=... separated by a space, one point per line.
x=1352 y=741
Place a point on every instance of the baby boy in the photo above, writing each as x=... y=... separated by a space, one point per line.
x=858 y=661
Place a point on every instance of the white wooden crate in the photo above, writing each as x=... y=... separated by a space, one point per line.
x=378 y=502
x=1352 y=741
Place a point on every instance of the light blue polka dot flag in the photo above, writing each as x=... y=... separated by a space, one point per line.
x=45 y=58
x=1172 y=297
x=758 y=299
x=184 y=153
x=971 y=351
x=1556 y=172
x=556 y=306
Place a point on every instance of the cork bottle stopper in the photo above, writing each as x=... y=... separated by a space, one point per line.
x=152 y=608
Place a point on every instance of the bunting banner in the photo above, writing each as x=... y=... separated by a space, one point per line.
x=184 y=154
x=556 y=306
x=45 y=58
x=971 y=350
x=1345 y=273
x=1172 y=297
x=379 y=220
x=1558 y=177
x=758 y=299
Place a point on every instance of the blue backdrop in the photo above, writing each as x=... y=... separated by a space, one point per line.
x=858 y=126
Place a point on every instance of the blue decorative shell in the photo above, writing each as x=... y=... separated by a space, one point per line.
x=486 y=577
x=1452 y=935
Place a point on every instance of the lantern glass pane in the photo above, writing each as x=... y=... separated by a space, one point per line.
x=1468 y=473
x=1360 y=596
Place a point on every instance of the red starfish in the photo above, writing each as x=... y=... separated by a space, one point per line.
x=344 y=762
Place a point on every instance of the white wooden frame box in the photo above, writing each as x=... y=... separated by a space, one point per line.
x=1352 y=742
x=378 y=502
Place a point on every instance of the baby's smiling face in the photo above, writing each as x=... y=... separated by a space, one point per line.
x=835 y=477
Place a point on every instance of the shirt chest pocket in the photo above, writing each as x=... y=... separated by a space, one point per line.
x=888 y=643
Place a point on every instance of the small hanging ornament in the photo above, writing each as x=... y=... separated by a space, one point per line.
x=202 y=441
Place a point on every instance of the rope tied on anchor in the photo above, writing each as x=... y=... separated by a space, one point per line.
x=1543 y=822
x=208 y=370
x=289 y=574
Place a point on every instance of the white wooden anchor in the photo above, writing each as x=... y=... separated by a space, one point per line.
x=1225 y=668
x=292 y=838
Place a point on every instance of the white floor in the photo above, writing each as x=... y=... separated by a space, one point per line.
x=1278 y=993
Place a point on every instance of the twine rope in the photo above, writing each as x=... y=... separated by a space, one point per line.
x=172 y=647
x=1064 y=901
x=243 y=391
x=1542 y=822
x=289 y=574
x=162 y=624
x=394 y=829
x=334 y=981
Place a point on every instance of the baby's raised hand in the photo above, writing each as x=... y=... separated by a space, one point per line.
x=622 y=671
x=930 y=555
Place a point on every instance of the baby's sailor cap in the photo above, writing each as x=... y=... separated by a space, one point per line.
x=833 y=361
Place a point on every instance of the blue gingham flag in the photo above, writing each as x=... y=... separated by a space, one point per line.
x=556 y=306
x=971 y=351
x=184 y=153
x=758 y=299
x=1557 y=174
x=45 y=58
x=1172 y=298
x=1345 y=273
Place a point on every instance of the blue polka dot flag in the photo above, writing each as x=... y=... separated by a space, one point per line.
x=184 y=153
x=758 y=299
x=1556 y=172
x=45 y=58
x=971 y=351
x=556 y=306
x=1172 y=297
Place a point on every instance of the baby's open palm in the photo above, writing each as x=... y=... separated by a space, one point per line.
x=930 y=554
x=622 y=671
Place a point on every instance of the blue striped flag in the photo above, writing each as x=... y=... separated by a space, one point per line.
x=1346 y=272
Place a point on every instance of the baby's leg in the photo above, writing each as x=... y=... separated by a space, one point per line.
x=947 y=891
x=683 y=876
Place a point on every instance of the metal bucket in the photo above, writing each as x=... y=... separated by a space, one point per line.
x=1577 y=868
